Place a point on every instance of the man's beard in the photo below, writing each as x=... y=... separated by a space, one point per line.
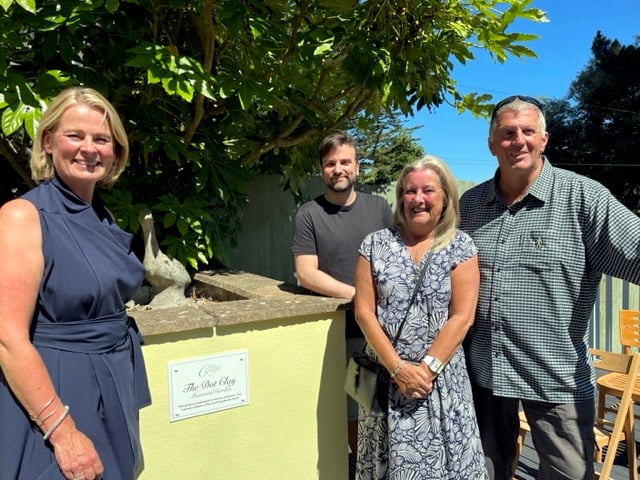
x=340 y=187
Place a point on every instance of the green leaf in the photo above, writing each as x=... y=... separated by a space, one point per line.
x=182 y=225
x=12 y=119
x=322 y=49
x=31 y=119
x=112 y=5
x=28 y=5
x=169 y=219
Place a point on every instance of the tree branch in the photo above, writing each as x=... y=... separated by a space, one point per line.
x=207 y=39
x=10 y=153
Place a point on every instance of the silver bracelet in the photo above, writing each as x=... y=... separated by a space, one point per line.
x=35 y=419
x=398 y=368
x=57 y=423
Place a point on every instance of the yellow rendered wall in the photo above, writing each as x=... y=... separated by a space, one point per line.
x=294 y=427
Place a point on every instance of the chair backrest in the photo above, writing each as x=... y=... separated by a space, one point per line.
x=611 y=361
x=629 y=329
x=628 y=364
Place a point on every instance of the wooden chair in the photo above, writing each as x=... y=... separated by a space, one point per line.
x=612 y=432
x=629 y=329
x=613 y=383
x=609 y=433
x=524 y=429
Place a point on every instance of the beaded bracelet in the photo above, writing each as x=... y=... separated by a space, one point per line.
x=57 y=423
x=398 y=368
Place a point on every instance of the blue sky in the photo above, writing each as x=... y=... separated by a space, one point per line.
x=563 y=49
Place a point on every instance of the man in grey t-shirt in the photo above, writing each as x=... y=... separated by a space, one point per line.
x=328 y=232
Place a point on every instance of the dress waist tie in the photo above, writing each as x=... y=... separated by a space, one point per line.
x=113 y=344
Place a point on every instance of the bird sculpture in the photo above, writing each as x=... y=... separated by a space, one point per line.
x=166 y=275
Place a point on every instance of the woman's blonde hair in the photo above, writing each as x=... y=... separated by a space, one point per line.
x=450 y=217
x=42 y=167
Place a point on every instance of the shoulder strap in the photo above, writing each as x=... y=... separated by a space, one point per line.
x=413 y=296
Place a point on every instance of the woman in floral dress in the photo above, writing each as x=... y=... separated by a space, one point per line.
x=430 y=429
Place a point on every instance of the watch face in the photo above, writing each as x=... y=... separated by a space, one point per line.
x=434 y=364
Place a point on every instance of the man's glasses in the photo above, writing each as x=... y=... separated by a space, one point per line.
x=523 y=98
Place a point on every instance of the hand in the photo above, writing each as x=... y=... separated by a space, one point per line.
x=76 y=454
x=413 y=381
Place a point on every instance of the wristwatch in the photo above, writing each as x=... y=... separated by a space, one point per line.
x=434 y=364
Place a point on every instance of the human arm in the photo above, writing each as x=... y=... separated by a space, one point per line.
x=412 y=379
x=312 y=278
x=612 y=237
x=21 y=271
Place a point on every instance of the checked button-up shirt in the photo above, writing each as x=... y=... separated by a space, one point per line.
x=541 y=261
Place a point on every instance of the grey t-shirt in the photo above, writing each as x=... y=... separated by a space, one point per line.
x=334 y=233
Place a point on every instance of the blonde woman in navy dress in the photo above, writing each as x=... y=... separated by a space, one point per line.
x=73 y=377
x=430 y=429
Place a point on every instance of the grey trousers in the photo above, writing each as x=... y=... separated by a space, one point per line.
x=562 y=435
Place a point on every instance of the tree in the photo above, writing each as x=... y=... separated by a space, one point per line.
x=214 y=92
x=595 y=130
x=385 y=146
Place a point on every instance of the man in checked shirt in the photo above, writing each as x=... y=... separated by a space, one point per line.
x=545 y=237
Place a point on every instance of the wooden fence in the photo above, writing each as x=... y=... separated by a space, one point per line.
x=614 y=294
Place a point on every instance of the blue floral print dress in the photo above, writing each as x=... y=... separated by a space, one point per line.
x=435 y=437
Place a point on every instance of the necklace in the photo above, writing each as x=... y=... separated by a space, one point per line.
x=418 y=249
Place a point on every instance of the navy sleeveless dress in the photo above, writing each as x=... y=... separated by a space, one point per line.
x=90 y=346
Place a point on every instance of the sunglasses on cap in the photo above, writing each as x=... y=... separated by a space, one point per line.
x=523 y=98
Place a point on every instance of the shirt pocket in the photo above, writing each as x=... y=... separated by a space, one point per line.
x=538 y=250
